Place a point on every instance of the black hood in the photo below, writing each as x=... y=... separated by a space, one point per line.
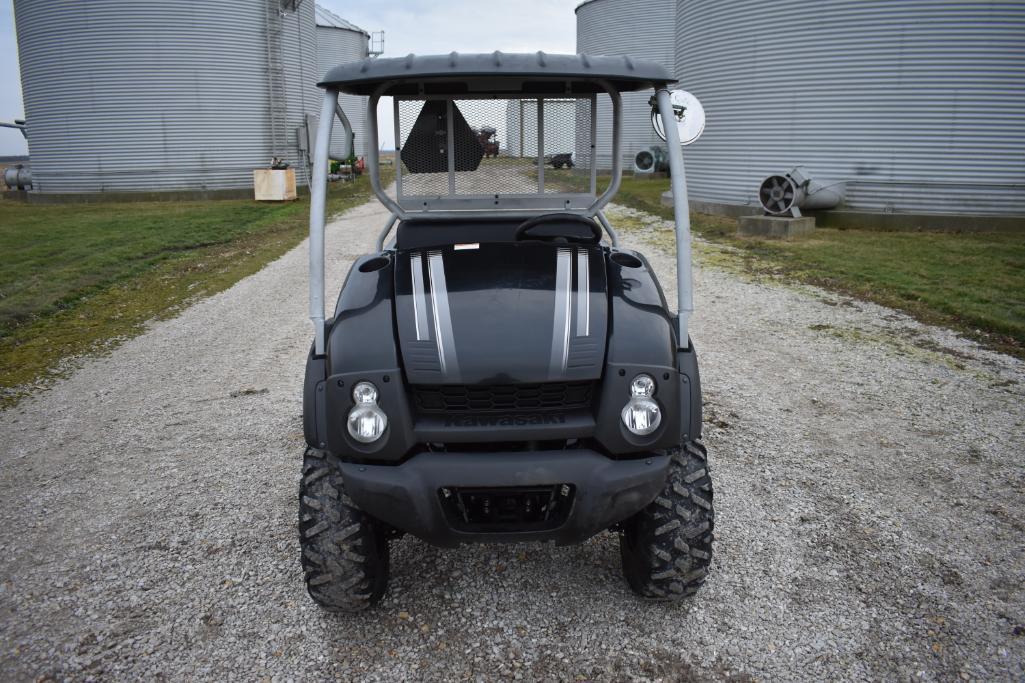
x=502 y=313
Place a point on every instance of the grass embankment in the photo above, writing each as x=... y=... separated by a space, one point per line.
x=973 y=282
x=79 y=278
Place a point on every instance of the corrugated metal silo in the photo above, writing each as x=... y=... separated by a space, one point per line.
x=338 y=42
x=519 y=139
x=917 y=106
x=122 y=95
x=639 y=28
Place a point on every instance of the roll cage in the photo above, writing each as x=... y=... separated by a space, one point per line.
x=449 y=80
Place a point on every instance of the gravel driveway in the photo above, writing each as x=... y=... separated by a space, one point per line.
x=870 y=497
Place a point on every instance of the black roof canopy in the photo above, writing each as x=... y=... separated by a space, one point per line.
x=496 y=73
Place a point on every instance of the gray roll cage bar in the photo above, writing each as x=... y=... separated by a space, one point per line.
x=318 y=198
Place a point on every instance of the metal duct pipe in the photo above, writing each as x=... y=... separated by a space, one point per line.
x=790 y=192
x=19 y=124
x=18 y=178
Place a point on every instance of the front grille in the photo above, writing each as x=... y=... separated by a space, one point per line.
x=506 y=398
x=511 y=508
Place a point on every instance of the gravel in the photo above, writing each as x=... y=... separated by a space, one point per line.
x=869 y=491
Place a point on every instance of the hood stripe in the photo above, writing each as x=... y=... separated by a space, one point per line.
x=583 y=293
x=416 y=267
x=442 y=318
x=563 y=317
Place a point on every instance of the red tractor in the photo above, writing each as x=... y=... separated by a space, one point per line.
x=486 y=137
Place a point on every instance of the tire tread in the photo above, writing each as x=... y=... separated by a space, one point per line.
x=666 y=548
x=344 y=550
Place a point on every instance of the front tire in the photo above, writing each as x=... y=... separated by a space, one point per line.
x=344 y=550
x=666 y=548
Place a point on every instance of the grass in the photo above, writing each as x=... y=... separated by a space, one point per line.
x=971 y=282
x=80 y=278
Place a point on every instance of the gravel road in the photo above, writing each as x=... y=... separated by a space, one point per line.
x=870 y=496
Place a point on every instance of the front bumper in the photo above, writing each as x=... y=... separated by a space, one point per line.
x=409 y=496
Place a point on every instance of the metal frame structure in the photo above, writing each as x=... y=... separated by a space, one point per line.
x=571 y=202
x=511 y=205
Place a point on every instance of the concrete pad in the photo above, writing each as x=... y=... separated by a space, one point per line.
x=775 y=226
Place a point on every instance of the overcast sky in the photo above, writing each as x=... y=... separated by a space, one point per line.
x=410 y=26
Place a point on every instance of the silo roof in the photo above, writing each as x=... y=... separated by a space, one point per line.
x=329 y=19
x=585 y=2
x=571 y=74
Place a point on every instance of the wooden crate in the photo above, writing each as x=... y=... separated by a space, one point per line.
x=274 y=184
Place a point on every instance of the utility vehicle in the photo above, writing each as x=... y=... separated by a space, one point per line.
x=501 y=370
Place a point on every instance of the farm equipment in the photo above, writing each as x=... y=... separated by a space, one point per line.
x=561 y=160
x=486 y=137
x=500 y=368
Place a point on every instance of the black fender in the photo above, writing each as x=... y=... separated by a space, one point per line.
x=360 y=346
x=313 y=415
x=690 y=395
x=643 y=338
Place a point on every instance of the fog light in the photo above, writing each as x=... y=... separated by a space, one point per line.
x=367 y=421
x=642 y=415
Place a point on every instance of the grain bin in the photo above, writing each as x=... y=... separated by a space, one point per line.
x=915 y=107
x=124 y=95
x=639 y=28
x=338 y=42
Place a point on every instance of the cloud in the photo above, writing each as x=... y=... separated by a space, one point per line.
x=466 y=25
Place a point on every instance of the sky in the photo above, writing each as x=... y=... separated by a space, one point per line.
x=410 y=26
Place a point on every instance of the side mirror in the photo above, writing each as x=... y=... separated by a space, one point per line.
x=690 y=117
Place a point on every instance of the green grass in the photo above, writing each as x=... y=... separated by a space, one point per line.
x=972 y=282
x=79 y=278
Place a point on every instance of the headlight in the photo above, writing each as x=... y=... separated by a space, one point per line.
x=367 y=421
x=641 y=415
x=364 y=392
x=642 y=385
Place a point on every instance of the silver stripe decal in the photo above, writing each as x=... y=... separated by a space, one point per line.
x=583 y=293
x=416 y=266
x=561 y=323
x=442 y=317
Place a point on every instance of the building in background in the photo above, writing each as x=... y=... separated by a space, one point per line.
x=338 y=42
x=128 y=96
x=520 y=139
x=910 y=108
x=639 y=28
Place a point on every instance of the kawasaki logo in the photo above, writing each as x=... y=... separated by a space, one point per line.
x=503 y=420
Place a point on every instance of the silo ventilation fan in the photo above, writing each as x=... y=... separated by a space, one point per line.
x=786 y=194
x=651 y=160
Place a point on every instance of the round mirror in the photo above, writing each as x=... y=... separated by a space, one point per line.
x=690 y=117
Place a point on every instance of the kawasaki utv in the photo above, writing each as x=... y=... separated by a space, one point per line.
x=500 y=370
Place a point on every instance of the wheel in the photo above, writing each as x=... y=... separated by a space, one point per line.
x=666 y=548
x=344 y=550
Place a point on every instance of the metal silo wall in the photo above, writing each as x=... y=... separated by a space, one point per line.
x=126 y=95
x=299 y=49
x=641 y=28
x=917 y=105
x=337 y=46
